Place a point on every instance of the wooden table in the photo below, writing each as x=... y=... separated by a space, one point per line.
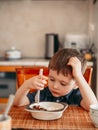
x=74 y=118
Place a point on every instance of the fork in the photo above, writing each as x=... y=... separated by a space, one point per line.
x=37 y=96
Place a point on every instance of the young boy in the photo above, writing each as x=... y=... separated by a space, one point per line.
x=65 y=82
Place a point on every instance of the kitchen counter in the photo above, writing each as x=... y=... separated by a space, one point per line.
x=29 y=62
x=24 y=62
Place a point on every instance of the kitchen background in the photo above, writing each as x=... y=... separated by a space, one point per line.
x=24 y=23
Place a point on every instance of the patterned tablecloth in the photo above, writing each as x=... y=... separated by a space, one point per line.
x=74 y=118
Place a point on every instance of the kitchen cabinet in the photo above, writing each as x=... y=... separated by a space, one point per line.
x=8 y=68
x=4 y=82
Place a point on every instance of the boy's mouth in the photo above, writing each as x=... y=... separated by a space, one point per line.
x=55 y=93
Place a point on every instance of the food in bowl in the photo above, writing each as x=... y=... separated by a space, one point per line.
x=47 y=111
x=38 y=107
x=94 y=114
x=43 y=106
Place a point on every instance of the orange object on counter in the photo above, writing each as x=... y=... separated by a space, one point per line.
x=88 y=56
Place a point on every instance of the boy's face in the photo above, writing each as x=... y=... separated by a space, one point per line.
x=60 y=85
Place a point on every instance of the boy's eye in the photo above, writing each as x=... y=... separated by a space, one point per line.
x=63 y=83
x=51 y=79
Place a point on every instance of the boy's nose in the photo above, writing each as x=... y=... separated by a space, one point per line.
x=55 y=85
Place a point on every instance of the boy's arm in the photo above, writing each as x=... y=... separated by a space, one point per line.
x=21 y=98
x=37 y=82
x=88 y=96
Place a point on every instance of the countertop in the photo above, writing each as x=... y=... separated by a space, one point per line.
x=24 y=62
x=29 y=62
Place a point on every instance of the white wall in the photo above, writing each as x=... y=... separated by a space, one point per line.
x=23 y=23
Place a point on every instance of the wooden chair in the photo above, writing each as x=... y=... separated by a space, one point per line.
x=88 y=75
x=25 y=73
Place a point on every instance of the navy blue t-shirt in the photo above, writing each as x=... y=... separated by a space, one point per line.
x=72 y=98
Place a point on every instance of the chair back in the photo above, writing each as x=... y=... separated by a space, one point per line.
x=25 y=73
x=88 y=75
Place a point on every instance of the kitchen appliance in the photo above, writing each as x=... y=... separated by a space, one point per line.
x=7 y=84
x=76 y=41
x=13 y=54
x=52 y=45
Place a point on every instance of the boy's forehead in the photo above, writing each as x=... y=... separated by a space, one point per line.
x=60 y=74
x=60 y=77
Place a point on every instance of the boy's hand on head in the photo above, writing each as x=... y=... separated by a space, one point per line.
x=76 y=66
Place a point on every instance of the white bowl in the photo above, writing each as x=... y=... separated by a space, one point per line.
x=53 y=110
x=94 y=114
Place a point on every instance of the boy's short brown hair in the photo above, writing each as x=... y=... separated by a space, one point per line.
x=60 y=59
